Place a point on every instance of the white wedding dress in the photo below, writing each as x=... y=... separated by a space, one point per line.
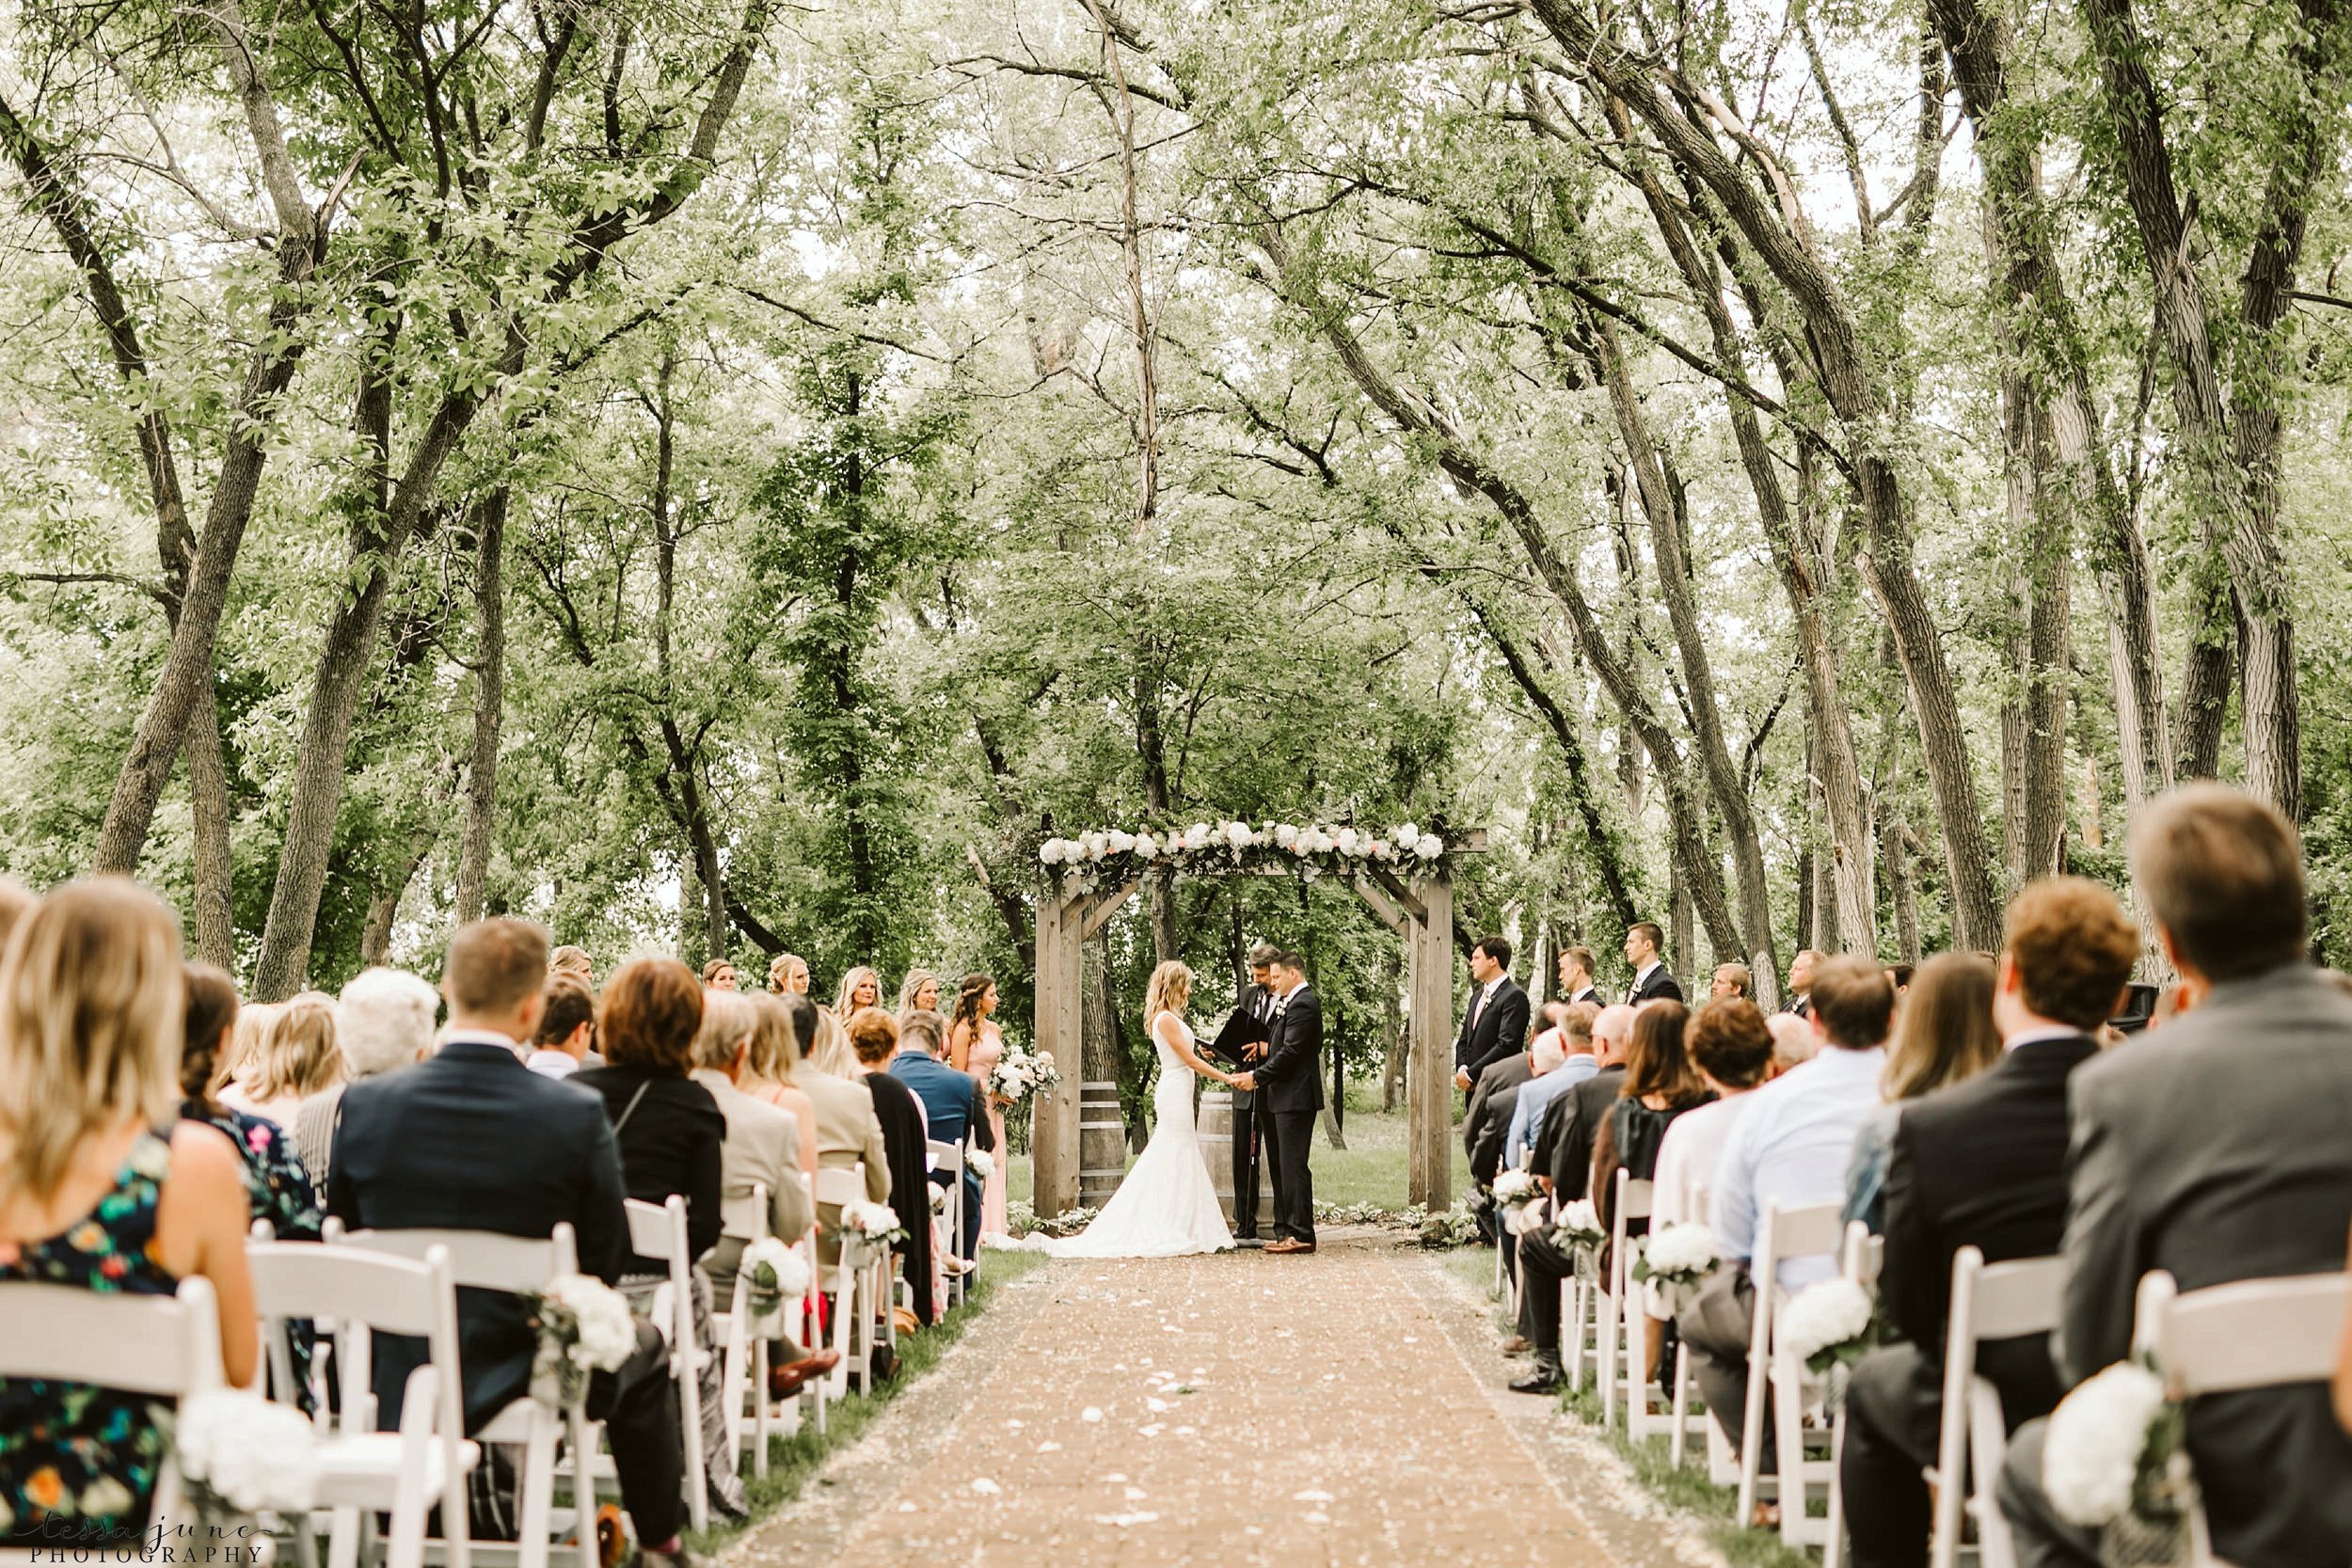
x=1166 y=1206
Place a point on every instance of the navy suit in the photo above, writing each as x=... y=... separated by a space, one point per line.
x=955 y=1105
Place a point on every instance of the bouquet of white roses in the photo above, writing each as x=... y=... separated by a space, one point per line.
x=2113 y=1460
x=981 y=1163
x=1678 y=1259
x=1828 y=1322
x=774 y=1273
x=584 y=1326
x=239 y=1454
x=1514 y=1186
x=1581 y=1234
x=872 y=1225
x=1019 y=1073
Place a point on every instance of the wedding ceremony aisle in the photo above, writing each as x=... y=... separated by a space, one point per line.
x=1226 y=1410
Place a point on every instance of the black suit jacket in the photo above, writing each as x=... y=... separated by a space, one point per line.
x=1660 y=983
x=1258 y=1002
x=1499 y=1082
x=1563 y=1150
x=669 y=1144
x=1291 y=1077
x=1590 y=993
x=1498 y=1030
x=909 y=1159
x=471 y=1139
x=1983 y=1164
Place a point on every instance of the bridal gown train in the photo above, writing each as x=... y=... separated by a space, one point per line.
x=1166 y=1206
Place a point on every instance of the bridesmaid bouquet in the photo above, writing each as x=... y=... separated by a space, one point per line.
x=1019 y=1073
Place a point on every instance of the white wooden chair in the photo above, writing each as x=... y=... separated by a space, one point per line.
x=1996 y=1301
x=1685 y=1420
x=1784 y=1234
x=951 y=1158
x=1629 y=1331
x=163 y=1347
x=745 y=1360
x=852 y=1313
x=658 y=1233
x=2251 y=1334
x=363 y=1471
x=520 y=1265
x=1860 y=1258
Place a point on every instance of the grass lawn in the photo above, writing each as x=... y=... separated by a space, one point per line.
x=1370 y=1170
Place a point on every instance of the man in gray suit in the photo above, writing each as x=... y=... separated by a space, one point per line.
x=2215 y=1149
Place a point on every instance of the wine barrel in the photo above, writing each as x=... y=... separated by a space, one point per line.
x=1217 y=1147
x=1102 y=1142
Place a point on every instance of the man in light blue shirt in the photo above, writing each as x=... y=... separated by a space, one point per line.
x=1590 y=1040
x=1791 y=1148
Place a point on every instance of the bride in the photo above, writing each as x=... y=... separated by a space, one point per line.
x=1165 y=1207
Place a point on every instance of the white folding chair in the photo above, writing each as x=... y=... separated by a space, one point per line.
x=1996 y=1301
x=2251 y=1334
x=363 y=1471
x=658 y=1233
x=1628 y=1336
x=1859 y=1259
x=950 y=1158
x=519 y=1266
x=165 y=1347
x=853 y=1327
x=745 y=1359
x=1684 y=1420
x=1784 y=1234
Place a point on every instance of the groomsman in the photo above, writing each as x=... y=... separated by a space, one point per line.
x=1650 y=978
x=1496 y=1024
x=1258 y=1002
x=1576 y=977
x=1801 y=982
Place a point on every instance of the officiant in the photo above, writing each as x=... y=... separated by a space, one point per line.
x=1242 y=1042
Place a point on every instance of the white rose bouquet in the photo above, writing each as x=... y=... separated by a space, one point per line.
x=584 y=1326
x=981 y=1163
x=2113 y=1461
x=870 y=1225
x=1825 y=1323
x=774 y=1273
x=240 y=1454
x=1514 y=1186
x=1678 y=1259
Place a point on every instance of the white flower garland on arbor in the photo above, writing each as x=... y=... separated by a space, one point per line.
x=1238 y=845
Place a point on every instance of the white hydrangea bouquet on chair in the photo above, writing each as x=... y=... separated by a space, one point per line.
x=584 y=1328
x=2113 y=1461
x=1579 y=1232
x=1021 y=1072
x=774 y=1274
x=1678 y=1258
x=1829 y=1325
x=981 y=1163
x=868 y=1226
x=240 y=1455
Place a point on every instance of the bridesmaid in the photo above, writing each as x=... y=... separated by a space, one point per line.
x=974 y=1045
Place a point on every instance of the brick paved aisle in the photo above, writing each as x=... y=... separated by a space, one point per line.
x=1217 y=1411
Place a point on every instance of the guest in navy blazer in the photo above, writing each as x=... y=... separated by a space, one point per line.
x=954 y=1102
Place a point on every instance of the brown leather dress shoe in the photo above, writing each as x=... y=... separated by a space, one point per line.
x=1290 y=1246
x=790 y=1379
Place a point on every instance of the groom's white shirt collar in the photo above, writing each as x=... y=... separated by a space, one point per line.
x=1285 y=998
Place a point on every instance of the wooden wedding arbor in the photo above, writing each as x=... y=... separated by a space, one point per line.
x=1418 y=907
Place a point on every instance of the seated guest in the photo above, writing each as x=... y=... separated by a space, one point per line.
x=1730 y=981
x=567 y=1029
x=103 y=1188
x=1731 y=1050
x=1577 y=1063
x=1981 y=1164
x=1943 y=1033
x=470 y=1139
x=1794 y=1042
x=874 y=1036
x=2213 y=1149
x=1791 y=1148
x=232 y=1078
x=768 y=1073
x=1659 y=1086
x=383 y=1022
x=1486 y=1125
x=848 y=1132
x=279 y=1186
x=763 y=1141
x=954 y=1104
x=1563 y=1155
x=574 y=961
x=298 y=1058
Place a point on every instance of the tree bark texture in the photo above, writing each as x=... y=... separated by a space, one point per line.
x=489 y=674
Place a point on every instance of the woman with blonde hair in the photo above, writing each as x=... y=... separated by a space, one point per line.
x=299 y=1057
x=1166 y=1206
x=918 y=993
x=830 y=1051
x=104 y=1188
x=974 y=1045
x=787 y=976
x=241 y=1058
x=775 y=1053
x=848 y=1132
x=1944 y=1032
x=861 y=988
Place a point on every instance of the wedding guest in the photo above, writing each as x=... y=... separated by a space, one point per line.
x=665 y=1125
x=382 y=1021
x=874 y=1036
x=769 y=1074
x=976 y=1045
x=567 y=1029
x=470 y=1139
x=860 y=988
x=104 y=1189
x=763 y=1140
x=279 y=1186
x=955 y=1105
x=568 y=960
x=1486 y=1125
x=1944 y=1034
x=1801 y=982
x=849 y=1134
x=299 y=1058
x=2213 y=1149
x=717 y=975
x=1791 y=1148
x=787 y=974
x=1651 y=979
x=1577 y=1063
x=1564 y=1148
x=1576 y=977
x=1898 y=974
x=1730 y=980
x=1660 y=1085
x=1978 y=1161
x=1794 y=1041
x=1732 y=1050
x=1495 y=1026
x=918 y=993
x=232 y=1078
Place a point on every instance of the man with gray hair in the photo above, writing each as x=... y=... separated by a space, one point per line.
x=382 y=1021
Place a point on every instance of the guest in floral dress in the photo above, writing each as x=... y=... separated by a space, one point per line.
x=974 y=1045
x=101 y=1191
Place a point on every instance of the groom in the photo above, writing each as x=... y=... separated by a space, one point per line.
x=1288 y=1087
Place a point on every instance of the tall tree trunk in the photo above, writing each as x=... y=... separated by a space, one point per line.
x=482 y=772
x=208 y=792
x=1894 y=853
x=1120 y=104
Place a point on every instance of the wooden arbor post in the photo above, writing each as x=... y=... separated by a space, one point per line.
x=1064 y=922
